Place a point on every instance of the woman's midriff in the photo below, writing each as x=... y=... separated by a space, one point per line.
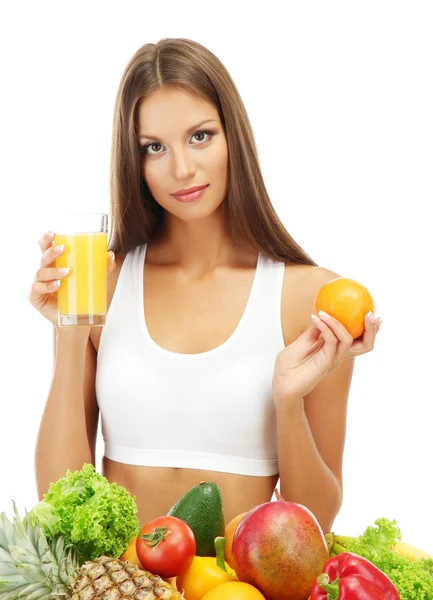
x=157 y=488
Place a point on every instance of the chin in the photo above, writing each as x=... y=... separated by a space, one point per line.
x=191 y=212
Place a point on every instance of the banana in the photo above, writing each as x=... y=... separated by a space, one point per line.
x=330 y=538
x=410 y=552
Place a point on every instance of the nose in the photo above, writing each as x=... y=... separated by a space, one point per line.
x=183 y=165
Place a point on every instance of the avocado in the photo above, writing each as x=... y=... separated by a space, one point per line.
x=202 y=508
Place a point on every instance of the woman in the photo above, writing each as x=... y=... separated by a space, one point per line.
x=210 y=365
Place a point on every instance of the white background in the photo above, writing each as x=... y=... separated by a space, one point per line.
x=340 y=98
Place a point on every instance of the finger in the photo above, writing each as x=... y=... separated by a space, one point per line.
x=330 y=339
x=345 y=340
x=378 y=324
x=366 y=343
x=52 y=274
x=111 y=261
x=51 y=253
x=338 y=328
x=312 y=333
x=40 y=288
x=369 y=335
x=46 y=240
x=317 y=345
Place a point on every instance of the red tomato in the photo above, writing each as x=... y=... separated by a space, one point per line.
x=166 y=546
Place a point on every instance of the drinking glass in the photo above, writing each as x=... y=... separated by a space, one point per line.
x=82 y=295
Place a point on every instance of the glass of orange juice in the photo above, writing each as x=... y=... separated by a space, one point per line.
x=82 y=295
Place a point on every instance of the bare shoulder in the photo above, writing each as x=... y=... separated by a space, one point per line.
x=300 y=287
x=95 y=334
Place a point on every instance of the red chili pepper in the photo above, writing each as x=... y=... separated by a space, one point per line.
x=348 y=576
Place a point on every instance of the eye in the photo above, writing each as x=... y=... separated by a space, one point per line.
x=201 y=134
x=145 y=149
x=206 y=134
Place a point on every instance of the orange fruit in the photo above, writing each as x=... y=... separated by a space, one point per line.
x=131 y=554
x=346 y=300
x=234 y=590
x=229 y=533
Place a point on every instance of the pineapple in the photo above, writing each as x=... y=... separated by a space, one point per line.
x=33 y=568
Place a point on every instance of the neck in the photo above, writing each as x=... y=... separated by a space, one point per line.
x=196 y=246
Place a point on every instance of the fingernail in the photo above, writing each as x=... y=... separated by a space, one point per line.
x=64 y=270
x=322 y=314
x=59 y=249
x=56 y=283
x=370 y=317
x=315 y=317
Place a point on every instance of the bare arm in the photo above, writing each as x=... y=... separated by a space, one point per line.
x=67 y=433
x=312 y=409
x=311 y=437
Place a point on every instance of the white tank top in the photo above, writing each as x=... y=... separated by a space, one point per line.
x=212 y=410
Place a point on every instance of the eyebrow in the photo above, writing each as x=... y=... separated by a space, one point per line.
x=190 y=130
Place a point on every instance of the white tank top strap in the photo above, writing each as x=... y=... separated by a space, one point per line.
x=265 y=311
x=122 y=314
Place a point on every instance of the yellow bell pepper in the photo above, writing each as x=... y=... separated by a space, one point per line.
x=205 y=573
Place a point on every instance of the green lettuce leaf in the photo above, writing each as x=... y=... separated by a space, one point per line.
x=412 y=578
x=95 y=516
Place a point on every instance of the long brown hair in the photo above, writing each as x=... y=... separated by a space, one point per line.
x=135 y=215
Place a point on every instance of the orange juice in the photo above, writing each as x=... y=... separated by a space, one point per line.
x=82 y=295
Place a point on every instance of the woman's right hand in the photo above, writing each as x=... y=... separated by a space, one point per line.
x=43 y=293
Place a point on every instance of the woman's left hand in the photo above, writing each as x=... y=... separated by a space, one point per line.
x=324 y=344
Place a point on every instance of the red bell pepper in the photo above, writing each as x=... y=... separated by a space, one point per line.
x=348 y=576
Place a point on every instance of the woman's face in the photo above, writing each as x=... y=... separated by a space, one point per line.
x=183 y=145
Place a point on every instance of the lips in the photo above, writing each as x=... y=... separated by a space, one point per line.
x=191 y=190
x=190 y=194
